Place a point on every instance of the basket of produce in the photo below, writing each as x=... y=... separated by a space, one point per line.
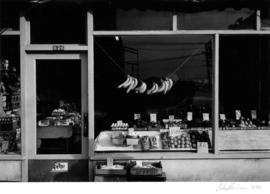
x=118 y=168
x=145 y=168
x=117 y=138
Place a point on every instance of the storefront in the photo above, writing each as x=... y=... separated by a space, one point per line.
x=86 y=82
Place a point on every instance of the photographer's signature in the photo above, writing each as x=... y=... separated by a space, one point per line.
x=236 y=186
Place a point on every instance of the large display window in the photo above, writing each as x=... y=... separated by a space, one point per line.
x=244 y=93
x=157 y=102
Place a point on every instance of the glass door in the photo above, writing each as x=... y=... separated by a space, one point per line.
x=57 y=88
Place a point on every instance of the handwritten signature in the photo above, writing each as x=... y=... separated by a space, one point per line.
x=235 y=186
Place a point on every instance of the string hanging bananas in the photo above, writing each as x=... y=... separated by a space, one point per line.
x=131 y=83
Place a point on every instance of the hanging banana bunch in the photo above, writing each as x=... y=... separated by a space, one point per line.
x=132 y=83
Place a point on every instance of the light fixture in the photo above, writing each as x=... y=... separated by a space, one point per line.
x=117 y=38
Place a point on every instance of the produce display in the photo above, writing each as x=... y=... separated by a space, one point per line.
x=186 y=140
x=60 y=117
x=181 y=141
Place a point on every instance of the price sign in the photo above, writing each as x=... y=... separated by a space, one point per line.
x=153 y=117
x=238 y=114
x=222 y=117
x=60 y=167
x=253 y=114
x=58 y=47
x=171 y=117
x=139 y=163
x=109 y=161
x=189 y=116
x=202 y=147
x=206 y=117
x=174 y=131
x=137 y=116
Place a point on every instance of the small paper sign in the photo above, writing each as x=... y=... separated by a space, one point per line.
x=139 y=163
x=206 y=117
x=238 y=114
x=109 y=161
x=222 y=117
x=153 y=117
x=189 y=116
x=60 y=167
x=174 y=131
x=137 y=116
x=253 y=114
x=202 y=147
x=171 y=117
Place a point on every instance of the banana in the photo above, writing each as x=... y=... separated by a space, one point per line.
x=156 y=88
x=143 y=88
x=131 y=85
x=170 y=83
x=135 y=83
x=151 y=89
x=162 y=87
x=166 y=87
x=126 y=83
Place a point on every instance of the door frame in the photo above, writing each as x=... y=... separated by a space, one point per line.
x=30 y=108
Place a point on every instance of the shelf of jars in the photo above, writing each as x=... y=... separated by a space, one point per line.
x=10 y=130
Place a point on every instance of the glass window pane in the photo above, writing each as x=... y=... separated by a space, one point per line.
x=10 y=103
x=217 y=19
x=58 y=106
x=244 y=92
x=53 y=23
x=182 y=112
x=112 y=18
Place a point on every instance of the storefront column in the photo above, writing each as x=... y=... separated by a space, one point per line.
x=24 y=40
x=91 y=114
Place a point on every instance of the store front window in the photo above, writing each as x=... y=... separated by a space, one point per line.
x=216 y=19
x=59 y=123
x=10 y=103
x=153 y=93
x=244 y=93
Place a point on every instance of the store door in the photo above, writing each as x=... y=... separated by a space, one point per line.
x=56 y=114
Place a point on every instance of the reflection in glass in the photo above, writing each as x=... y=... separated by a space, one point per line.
x=58 y=106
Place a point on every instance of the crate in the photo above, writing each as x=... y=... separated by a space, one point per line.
x=156 y=171
x=99 y=171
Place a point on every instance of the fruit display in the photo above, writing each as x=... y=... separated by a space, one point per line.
x=132 y=83
x=58 y=112
x=61 y=118
x=243 y=124
x=119 y=126
x=181 y=141
x=118 y=138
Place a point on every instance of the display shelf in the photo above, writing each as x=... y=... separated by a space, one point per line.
x=244 y=140
x=103 y=144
